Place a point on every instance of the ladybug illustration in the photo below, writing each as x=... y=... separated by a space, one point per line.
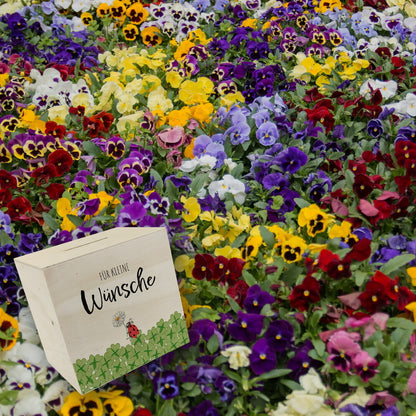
x=132 y=329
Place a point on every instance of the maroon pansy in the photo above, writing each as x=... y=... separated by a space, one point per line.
x=305 y=294
x=204 y=267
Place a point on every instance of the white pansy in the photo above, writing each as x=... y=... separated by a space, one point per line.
x=27 y=326
x=388 y=89
x=63 y=4
x=31 y=354
x=237 y=356
x=311 y=382
x=55 y=394
x=81 y=5
x=359 y=397
x=189 y=165
x=228 y=184
x=19 y=377
x=410 y=104
x=29 y=403
x=230 y=164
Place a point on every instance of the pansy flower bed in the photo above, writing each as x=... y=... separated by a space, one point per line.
x=275 y=141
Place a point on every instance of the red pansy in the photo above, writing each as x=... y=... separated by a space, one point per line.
x=18 y=207
x=55 y=190
x=7 y=180
x=44 y=173
x=204 y=267
x=62 y=160
x=374 y=298
x=305 y=294
x=238 y=291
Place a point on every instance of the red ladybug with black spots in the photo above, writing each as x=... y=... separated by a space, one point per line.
x=132 y=329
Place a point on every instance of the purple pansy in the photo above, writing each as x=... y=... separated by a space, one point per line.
x=279 y=335
x=256 y=298
x=246 y=327
x=291 y=159
x=262 y=357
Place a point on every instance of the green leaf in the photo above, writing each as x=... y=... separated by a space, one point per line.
x=198 y=182
x=385 y=369
x=401 y=323
x=213 y=344
x=8 y=397
x=167 y=409
x=92 y=149
x=268 y=237
x=396 y=262
x=5 y=239
x=249 y=278
x=301 y=203
x=171 y=191
x=276 y=373
x=75 y=220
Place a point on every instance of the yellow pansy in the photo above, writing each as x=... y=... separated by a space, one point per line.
x=188 y=151
x=216 y=220
x=183 y=49
x=57 y=113
x=202 y=112
x=150 y=83
x=4 y=79
x=412 y=308
x=7 y=322
x=106 y=200
x=316 y=248
x=184 y=263
x=158 y=101
x=196 y=92
x=129 y=122
x=300 y=72
x=314 y=219
x=249 y=22
x=191 y=208
x=232 y=98
x=329 y=65
x=411 y=271
x=29 y=119
x=179 y=117
x=293 y=249
x=174 y=79
x=116 y=403
x=342 y=230
x=228 y=252
x=198 y=36
x=74 y=402
x=63 y=209
x=251 y=247
x=212 y=240
x=312 y=67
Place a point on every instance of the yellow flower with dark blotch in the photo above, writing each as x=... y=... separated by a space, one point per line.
x=118 y=10
x=86 y=18
x=103 y=10
x=191 y=208
x=151 y=36
x=130 y=32
x=76 y=404
x=137 y=13
x=251 y=248
x=9 y=124
x=9 y=326
x=5 y=155
x=293 y=249
x=314 y=219
x=115 y=404
x=34 y=150
x=183 y=49
x=343 y=231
